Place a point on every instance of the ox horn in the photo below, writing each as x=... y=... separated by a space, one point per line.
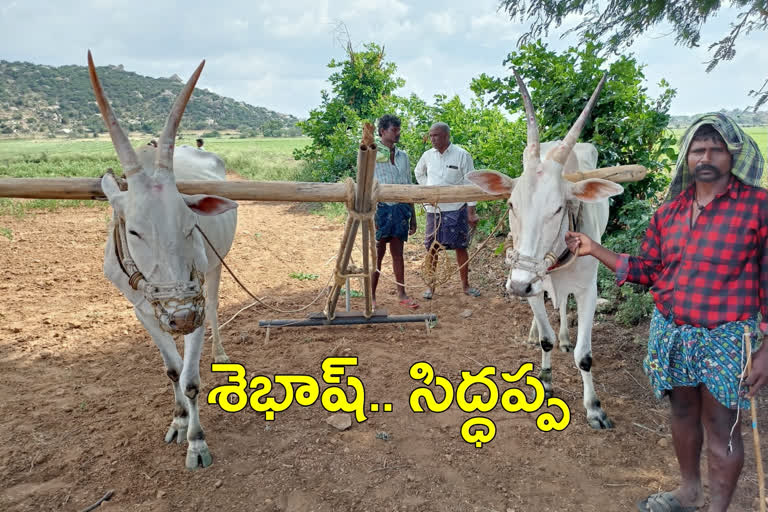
x=561 y=153
x=125 y=152
x=530 y=115
x=164 y=156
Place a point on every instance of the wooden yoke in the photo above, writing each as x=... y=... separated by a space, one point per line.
x=360 y=213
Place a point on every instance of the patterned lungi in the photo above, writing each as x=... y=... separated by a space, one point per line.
x=393 y=221
x=452 y=229
x=683 y=355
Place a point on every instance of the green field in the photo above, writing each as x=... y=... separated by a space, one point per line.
x=259 y=159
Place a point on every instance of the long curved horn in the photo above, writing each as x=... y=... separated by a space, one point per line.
x=164 y=156
x=530 y=114
x=561 y=154
x=125 y=152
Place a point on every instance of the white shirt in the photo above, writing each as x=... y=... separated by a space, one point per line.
x=449 y=168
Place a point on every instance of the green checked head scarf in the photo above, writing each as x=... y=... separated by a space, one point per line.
x=747 y=164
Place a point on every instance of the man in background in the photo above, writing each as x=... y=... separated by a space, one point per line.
x=394 y=221
x=448 y=223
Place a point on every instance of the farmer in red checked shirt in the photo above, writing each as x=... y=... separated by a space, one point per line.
x=705 y=259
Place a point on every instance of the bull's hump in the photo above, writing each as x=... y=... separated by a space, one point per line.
x=192 y=164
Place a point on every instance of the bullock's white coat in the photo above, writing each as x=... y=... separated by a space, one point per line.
x=163 y=213
x=537 y=225
x=166 y=254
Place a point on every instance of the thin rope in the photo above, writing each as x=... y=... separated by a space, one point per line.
x=258 y=300
x=741 y=380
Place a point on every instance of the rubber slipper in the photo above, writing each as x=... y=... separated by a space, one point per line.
x=474 y=292
x=409 y=303
x=663 y=502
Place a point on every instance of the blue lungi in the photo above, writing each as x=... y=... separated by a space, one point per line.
x=393 y=221
x=684 y=355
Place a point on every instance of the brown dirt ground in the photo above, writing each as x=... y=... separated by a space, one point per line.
x=86 y=403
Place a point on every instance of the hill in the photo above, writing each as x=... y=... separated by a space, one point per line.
x=747 y=118
x=38 y=99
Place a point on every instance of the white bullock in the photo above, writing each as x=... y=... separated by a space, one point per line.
x=157 y=255
x=543 y=206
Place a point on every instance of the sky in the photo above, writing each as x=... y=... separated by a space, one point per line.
x=274 y=53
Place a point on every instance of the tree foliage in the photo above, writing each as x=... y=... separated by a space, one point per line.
x=363 y=90
x=619 y=22
x=494 y=141
x=358 y=84
x=626 y=125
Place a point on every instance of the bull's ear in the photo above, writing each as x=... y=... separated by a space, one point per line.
x=594 y=190
x=492 y=182
x=209 y=205
x=111 y=189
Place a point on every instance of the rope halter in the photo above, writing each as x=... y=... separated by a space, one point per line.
x=551 y=262
x=166 y=298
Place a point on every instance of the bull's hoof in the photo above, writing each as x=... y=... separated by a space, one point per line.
x=176 y=432
x=599 y=420
x=222 y=358
x=566 y=347
x=198 y=455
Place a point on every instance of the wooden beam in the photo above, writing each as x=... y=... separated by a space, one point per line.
x=290 y=191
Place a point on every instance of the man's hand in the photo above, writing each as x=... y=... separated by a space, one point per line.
x=472 y=217
x=758 y=377
x=578 y=243
x=412 y=229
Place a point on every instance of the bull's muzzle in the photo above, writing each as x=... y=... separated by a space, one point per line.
x=185 y=321
x=520 y=288
x=179 y=306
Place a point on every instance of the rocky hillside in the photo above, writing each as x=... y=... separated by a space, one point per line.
x=38 y=99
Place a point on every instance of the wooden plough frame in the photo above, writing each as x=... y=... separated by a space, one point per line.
x=360 y=198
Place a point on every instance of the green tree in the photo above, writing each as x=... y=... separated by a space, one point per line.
x=494 y=141
x=272 y=128
x=357 y=85
x=619 y=22
x=626 y=125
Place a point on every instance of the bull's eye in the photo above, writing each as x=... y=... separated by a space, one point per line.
x=132 y=232
x=559 y=210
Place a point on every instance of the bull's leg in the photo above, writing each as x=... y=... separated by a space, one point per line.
x=213 y=278
x=585 y=303
x=190 y=383
x=562 y=335
x=546 y=337
x=173 y=366
x=533 y=333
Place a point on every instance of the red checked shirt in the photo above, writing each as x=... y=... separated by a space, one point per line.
x=713 y=272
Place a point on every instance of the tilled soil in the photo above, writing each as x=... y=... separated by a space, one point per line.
x=86 y=402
